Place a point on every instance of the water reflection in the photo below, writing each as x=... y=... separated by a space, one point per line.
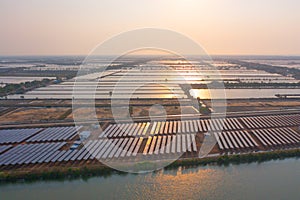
x=240 y=93
x=173 y=184
x=269 y=180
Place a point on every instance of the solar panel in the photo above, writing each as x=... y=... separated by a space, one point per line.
x=175 y=127
x=151 y=149
x=104 y=149
x=183 y=138
x=125 y=150
x=218 y=141
x=173 y=141
x=189 y=143
x=194 y=142
x=157 y=128
x=152 y=131
x=242 y=139
x=121 y=148
x=157 y=147
x=98 y=152
x=16 y=135
x=178 y=138
x=223 y=141
x=227 y=140
x=94 y=149
x=146 y=128
x=4 y=148
x=232 y=140
x=130 y=151
x=70 y=155
x=147 y=146
x=55 y=134
x=168 y=144
x=58 y=155
x=171 y=127
x=139 y=143
x=163 y=144
x=115 y=147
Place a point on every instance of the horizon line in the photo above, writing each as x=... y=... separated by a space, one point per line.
x=81 y=55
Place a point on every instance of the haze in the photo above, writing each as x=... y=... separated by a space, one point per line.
x=53 y=27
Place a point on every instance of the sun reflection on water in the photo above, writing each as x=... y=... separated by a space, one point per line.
x=171 y=183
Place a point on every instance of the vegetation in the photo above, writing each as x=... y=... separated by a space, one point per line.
x=285 y=71
x=69 y=173
x=24 y=72
x=239 y=159
x=86 y=172
x=21 y=88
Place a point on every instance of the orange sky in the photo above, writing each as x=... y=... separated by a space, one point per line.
x=72 y=27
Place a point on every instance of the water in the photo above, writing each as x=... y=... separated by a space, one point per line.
x=270 y=180
x=240 y=93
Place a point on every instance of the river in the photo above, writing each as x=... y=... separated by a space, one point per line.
x=269 y=180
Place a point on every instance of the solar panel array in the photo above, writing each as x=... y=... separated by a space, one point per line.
x=16 y=135
x=129 y=147
x=54 y=134
x=99 y=149
x=126 y=129
x=235 y=140
x=170 y=144
x=158 y=138
x=277 y=136
x=194 y=126
x=271 y=121
x=29 y=153
x=170 y=127
x=116 y=148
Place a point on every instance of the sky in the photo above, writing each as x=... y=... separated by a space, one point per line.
x=221 y=27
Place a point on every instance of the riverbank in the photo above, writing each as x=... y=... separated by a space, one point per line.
x=86 y=172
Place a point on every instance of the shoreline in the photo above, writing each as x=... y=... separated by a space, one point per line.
x=86 y=172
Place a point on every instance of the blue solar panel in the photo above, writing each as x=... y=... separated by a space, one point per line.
x=4 y=148
x=55 y=134
x=29 y=153
x=16 y=135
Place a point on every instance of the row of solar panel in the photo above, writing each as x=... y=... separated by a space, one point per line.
x=29 y=153
x=16 y=135
x=4 y=148
x=54 y=134
x=170 y=144
x=277 y=136
x=170 y=127
x=271 y=121
x=9 y=136
x=98 y=149
x=119 y=130
x=235 y=140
